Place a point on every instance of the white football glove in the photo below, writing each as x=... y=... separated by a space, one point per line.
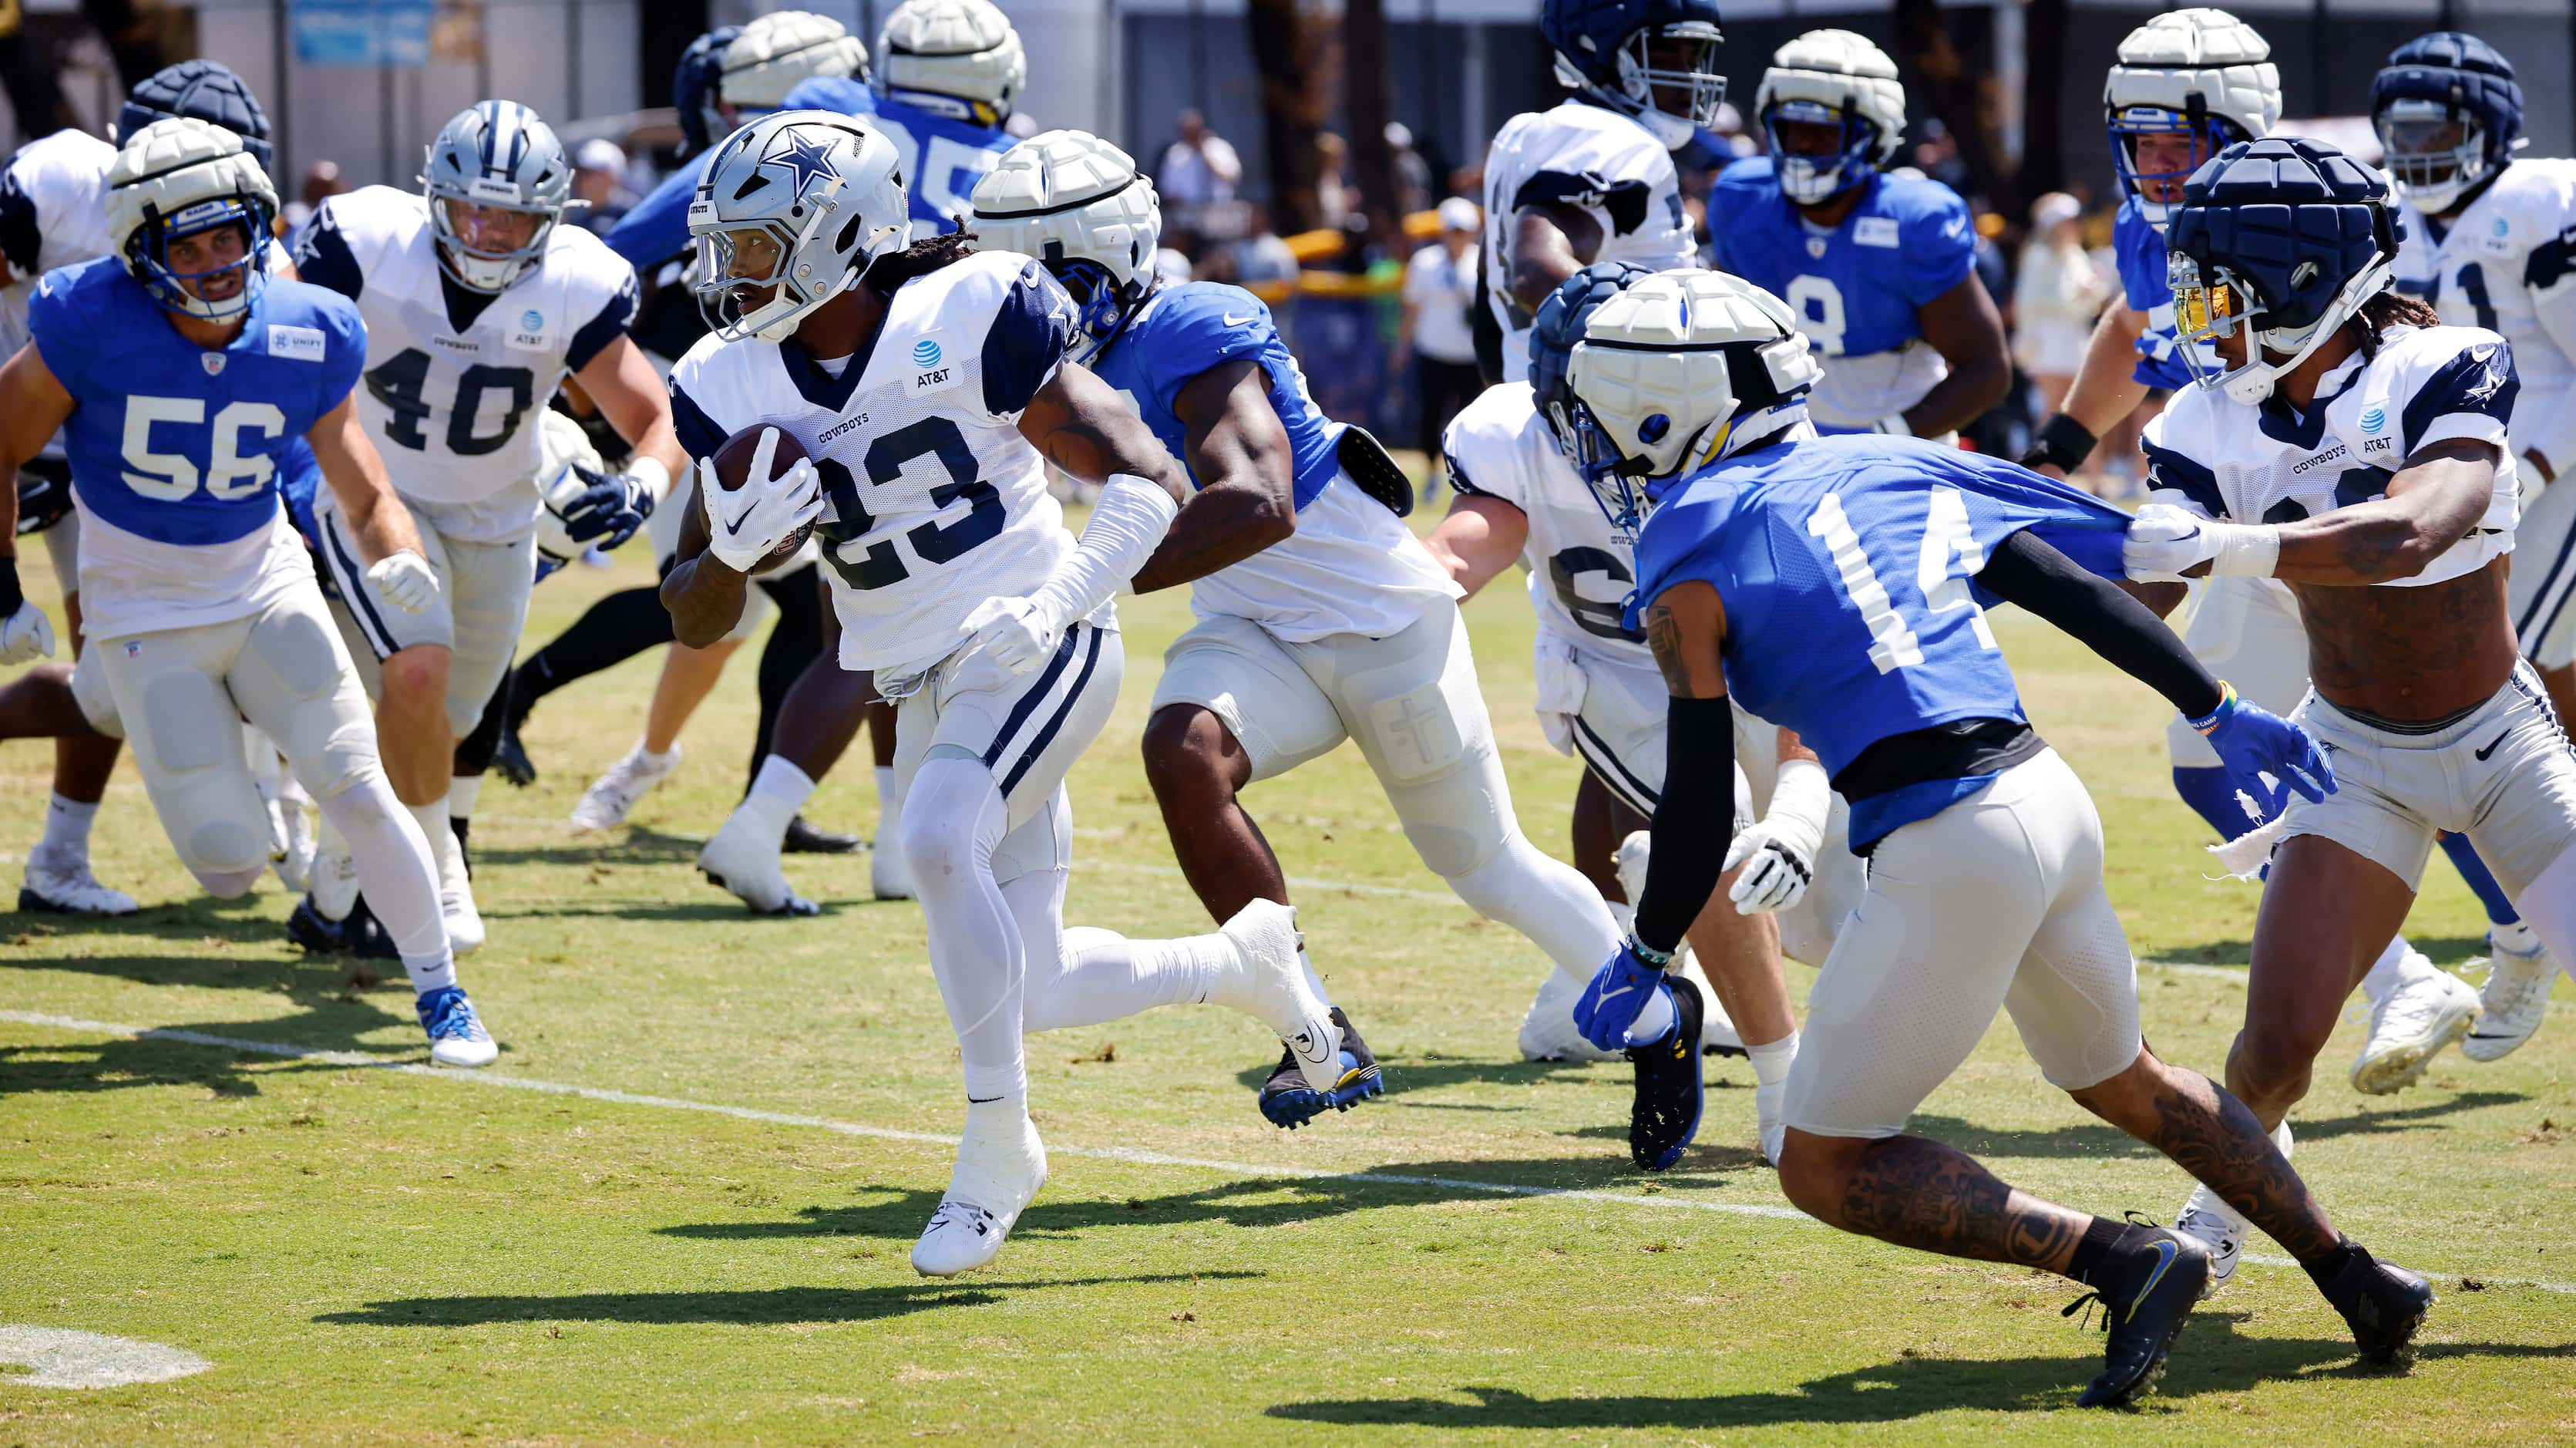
x=404 y=580
x=1018 y=632
x=1778 y=852
x=2163 y=540
x=746 y=525
x=26 y=635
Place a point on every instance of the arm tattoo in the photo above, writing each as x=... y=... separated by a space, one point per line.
x=1664 y=636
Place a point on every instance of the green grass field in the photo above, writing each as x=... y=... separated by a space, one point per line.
x=691 y=1223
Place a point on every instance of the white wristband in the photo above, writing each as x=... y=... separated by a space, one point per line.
x=2244 y=551
x=1801 y=799
x=655 y=478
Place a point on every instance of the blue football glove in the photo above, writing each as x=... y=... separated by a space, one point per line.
x=2252 y=741
x=608 y=509
x=1619 y=990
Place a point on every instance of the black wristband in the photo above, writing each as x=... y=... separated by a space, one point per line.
x=2061 y=441
x=10 y=594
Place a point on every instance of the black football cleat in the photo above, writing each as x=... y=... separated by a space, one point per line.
x=2146 y=1284
x=2381 y=1301
x=358 y=935
x=804 y=837
x=1664 y=1115
x=1289 y=1102
x=510 y=757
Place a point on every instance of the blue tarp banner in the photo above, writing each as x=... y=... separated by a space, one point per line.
x=361 y=32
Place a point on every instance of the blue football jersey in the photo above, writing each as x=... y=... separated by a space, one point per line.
x=2139 y=250
x=1185 y=330
x=658 y=228
x=1856 y=288
x=175 y=443
x=943 y=158
x=1847 y=567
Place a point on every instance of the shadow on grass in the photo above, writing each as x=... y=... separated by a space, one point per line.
x=1436 y=1070
x=2445 y=950
x=751 y=1308
x=2211 y=1357
x=631 y=845
x=74 y=1066
x=896 y=1214
x=2096 y=1140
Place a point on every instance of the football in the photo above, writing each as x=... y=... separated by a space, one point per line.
x=733 y=469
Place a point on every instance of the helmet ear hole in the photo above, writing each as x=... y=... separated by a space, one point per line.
x=1653 y=428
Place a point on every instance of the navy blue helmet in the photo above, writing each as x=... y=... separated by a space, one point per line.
x=208 y=91
x=696 y=87
x=1621 y=53
x=1558 y=327
x=2284 y=237
x=2449 y=114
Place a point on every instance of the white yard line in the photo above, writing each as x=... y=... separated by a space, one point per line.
x=885 y=1133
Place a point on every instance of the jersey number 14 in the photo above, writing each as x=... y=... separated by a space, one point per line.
x=1948 y=558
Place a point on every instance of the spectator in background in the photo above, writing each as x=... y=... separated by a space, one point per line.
x=1439 y=293
x=1412 y=173
x=1265 y=266
x=321 y=183
x=2056 y=299
x=1198 y=171
x=1335 y=197
x=599 y=182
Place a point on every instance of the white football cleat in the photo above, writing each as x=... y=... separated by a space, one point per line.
x=2429 y=1009
x=2217 y=1227
x=70 y=890
x=1264 y=936
x=1768 y=1104
x=888 y=876
x=1547 y=1029
x=605 y=804
x=456 y=1034
x=739 y=860
x=295 y=868
x=2520 y=974
x=456 y=898
x=1001 y=1164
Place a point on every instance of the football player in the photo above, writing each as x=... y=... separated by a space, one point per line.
x=478 y=304
x=179 y=373
x=1880 y=269
x=1520 y=499
x=929 y=387
x=53 y=213
x=1835 y=585
x=2189 y=84
x=2490 y=241
x=1592 y=178
x=1319 y=616
x=2350 y=445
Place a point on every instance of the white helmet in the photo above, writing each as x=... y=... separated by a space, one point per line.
x=958 y=58
x=174 y=179
x=779 y=49
x=1674 y=371
x=1831 y=78
x=2203 y=71
x=563 y=446
x=805 y=200
x=1079 y=205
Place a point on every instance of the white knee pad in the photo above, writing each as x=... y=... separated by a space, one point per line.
x=90 y=689
x=198 y=780
x=953 y=820
x=226 y=885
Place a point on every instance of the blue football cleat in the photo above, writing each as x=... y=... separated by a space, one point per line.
x=456 y=1034
x=1665 y=1113
x=1289 y=1102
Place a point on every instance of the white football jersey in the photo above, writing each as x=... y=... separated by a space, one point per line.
x=450 y=399
x=2266 y=464
x=1580 y=570
x=2507 y=263
x=933 y=501
x=1598 y=161
x=53 y=213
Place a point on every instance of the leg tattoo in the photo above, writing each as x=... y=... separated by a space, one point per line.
x=2213 y=1136
x=1919 y=1193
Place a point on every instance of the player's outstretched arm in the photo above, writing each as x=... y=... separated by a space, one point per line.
x=33 y=404
x=2106 y=389
x=397 y=566
x=704 y=596
x=1550 y=242
x=1963 y=326
x=1247 y=495
x=1480 y=538
x=1083 y=426
x=2432 y=503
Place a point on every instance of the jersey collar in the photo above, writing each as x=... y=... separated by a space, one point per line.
x=819 y=387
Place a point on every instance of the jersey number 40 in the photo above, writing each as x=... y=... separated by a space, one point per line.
x=402 y=385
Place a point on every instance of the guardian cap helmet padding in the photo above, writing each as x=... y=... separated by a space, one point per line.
x=2202 y=71
x=1831 y=78
x=1079 y=205
x=178 y=178
x=2431 y=84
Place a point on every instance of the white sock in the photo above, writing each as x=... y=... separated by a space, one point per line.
x=65 y=845
x=1545 y=899
x=2389 y=971
x=463 y=792
x=666 y=760
x=1654 y=1021
x=432 y=818
x=2514 y=939
x=1771 y=1062
x=976 y=951
x=777 y=793
x=398 y=873
x=1314 y=982
x=1091 y=976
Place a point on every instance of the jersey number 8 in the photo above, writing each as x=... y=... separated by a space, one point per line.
x=169 y=477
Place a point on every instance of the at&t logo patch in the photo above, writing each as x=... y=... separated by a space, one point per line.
x=925 y=353
x=2373 y=419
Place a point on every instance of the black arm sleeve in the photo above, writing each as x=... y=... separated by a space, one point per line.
x=1694 y=820
x=2097 y=613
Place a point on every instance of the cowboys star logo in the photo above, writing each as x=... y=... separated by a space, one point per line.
x=806 y=155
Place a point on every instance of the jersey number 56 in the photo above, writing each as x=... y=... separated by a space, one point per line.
x=171 y=476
